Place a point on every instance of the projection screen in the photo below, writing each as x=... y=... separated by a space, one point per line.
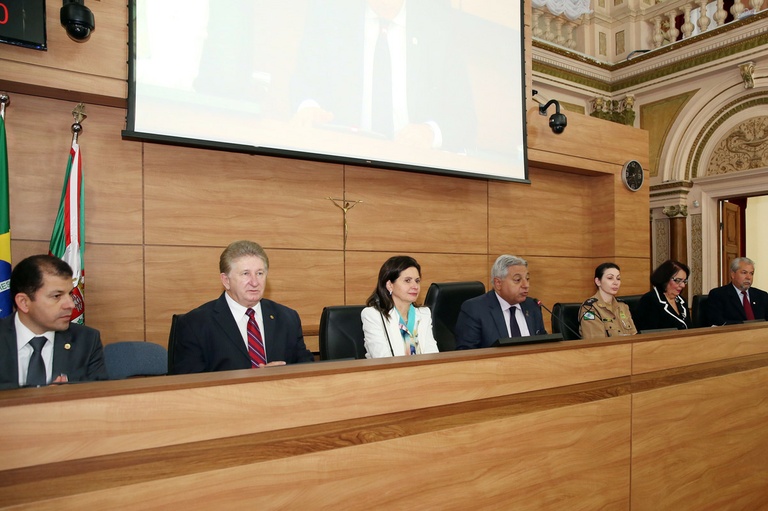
x=424 y=85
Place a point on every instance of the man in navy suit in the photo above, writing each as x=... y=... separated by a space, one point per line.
x=38 y=344
x=725 y=304
x=506 y=311
x=215 y=336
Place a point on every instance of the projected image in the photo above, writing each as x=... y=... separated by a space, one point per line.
x=418 y=84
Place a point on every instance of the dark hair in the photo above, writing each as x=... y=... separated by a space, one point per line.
x=380 y=299
x=664 y=273
x=27 y=275
x=600 y=270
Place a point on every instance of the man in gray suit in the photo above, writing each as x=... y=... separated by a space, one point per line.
x=505 y=311
x=38 y=344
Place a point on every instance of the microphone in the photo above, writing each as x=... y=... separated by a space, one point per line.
x=538 y=302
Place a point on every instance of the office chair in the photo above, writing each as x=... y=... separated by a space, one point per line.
x=444 y=300
x=135 y=358
x=632 y=301
x=341 y=332
x=172 y=341
x=565 y=320
x=699 y=313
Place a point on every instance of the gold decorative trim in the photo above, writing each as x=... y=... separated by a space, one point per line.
x=682 y=65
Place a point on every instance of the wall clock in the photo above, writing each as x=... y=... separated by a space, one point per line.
x=632 y=175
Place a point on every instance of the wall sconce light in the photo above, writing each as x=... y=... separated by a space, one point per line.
x=77 y=19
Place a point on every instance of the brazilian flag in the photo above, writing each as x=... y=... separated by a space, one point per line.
x=6 y=307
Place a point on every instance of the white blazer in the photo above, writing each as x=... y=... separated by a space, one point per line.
x=376 y=342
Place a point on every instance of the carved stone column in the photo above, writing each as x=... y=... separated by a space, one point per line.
x=678 y=236
x=678 y=233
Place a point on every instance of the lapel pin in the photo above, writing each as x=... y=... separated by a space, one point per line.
x=271 y=316
x=67 y=346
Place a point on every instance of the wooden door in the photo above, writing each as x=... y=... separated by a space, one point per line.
x=730 y=232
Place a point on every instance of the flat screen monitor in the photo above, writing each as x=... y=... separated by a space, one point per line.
x=424 y=85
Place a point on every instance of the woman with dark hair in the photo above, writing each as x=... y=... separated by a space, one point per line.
x=392 y=325
x=603 y=315
x=662 y=306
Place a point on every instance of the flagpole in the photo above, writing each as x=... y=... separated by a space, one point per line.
x=68 y=236
x=6 y=304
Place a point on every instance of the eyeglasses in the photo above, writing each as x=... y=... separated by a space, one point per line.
x=680 y=281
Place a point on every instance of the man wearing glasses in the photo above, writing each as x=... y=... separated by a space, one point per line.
x=505 y=311
x=738 y=301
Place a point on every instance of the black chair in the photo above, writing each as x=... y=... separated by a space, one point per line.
x=135 y=358
x=172 y=341
x=444 y=300
x=699 y=313
x=565 y=320
x=632 y=301
x=341 y=332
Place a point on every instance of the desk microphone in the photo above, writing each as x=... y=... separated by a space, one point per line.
x=538 y=302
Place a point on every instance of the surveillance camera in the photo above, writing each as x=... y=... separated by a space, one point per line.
x=77 y=19
x=558 y=122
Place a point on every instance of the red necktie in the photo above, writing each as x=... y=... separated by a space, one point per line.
x=747 y=306
x=255 y=342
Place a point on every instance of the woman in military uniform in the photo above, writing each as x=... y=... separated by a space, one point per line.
x=603 y=315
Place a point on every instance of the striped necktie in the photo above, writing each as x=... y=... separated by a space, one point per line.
x=255 y=342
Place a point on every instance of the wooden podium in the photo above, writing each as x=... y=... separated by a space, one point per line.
x=659 y=421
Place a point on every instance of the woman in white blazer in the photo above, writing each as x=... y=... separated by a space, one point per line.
x=392 y=325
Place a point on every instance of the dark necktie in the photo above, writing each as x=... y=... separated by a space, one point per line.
x=381 y=89
x=747 y=306
x=255 y=341
x=514 y=328
x=36 y=375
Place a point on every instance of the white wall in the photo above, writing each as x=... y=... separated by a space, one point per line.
x=757 y=241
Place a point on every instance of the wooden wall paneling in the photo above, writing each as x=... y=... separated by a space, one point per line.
x=701 y=445
x=633 y=228
x=204 y=198
x=362 y=270
x=635 y=274
x=179 y=279
x=39 y=140
x=22 y=248
x=114 y=292
x=601 y=215
x=549 y=217
x=408 y=212
x=615 y=144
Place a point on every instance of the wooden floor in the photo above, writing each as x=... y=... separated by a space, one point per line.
x=665 y=421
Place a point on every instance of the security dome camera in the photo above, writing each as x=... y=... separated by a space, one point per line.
x=77 y=19
x=558 y=122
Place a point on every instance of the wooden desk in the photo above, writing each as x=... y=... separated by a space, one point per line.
x=665 y=421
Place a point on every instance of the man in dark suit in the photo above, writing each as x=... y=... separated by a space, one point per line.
x=38 y=344
x=240 y=329
x=506 y=311
x=726 y=304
